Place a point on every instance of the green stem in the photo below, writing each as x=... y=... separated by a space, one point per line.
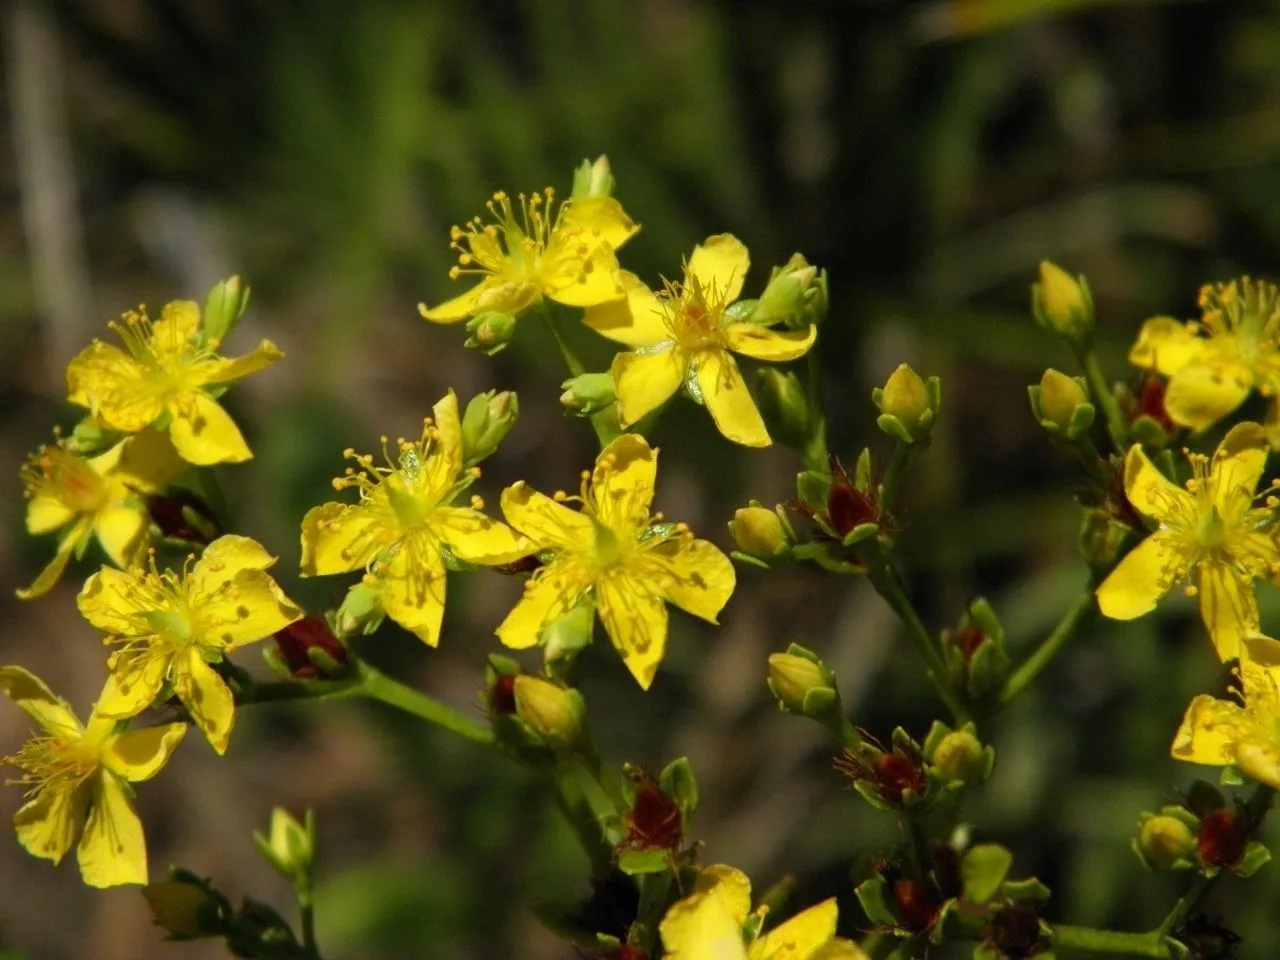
x=1111 y=943
x=307 y=913
x=211 y=491
x=1092 y=460
x=654 y=894
x=604 y=423
x=1081 y=611
x=570 y=796
x=1117 y=426
x=902 y=453
x=815 y=454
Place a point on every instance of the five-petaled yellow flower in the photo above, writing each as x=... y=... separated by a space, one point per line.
x=1210 y=531
x=172 y=627
x=403 y=524
x=708 y=924
x=168 y=377
x=566 y=254
x=73 y=770
x=615 y=548
x=683 y=336
x=102 y=496
x=1214 y=362
x=1244 y=731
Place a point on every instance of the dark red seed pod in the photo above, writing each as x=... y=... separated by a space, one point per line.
x=847 y=506
x=654 y=822
x=894 y=774
x=295 y=640
x=628 y=952
x=969 y=640
x=917 y=905
x=1222 y=838
x=502 y=695
x=1151 y=404
x=1015 y=932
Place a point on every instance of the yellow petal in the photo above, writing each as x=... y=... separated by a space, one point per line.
x=839 y=949
x=136 y=682
x=730 y=886
x=699 y=928
x=47 y=824
x=1151 y=493
x=338 y=537
x=30 y=693
x=227 y=369
x=1201 y=394
x=550 y=593
x=114 y=387
x=113 y=850
x=179 y=322
x=545 y=522
x=444 y=460
x=646 y=380
x=1260 y=760
x=223 y=559
x=52 y=572
x=719 y=264
x=597 y=220
x=247 y=609
x=695 y=575
x=460 y=307
x=761 y=343
x=731 y=406
x=1166 y=345
x=414 y=588
x=476 y=538
x=204 y=433
x=800 y=936
x=117 y=602
x=1227 y=607
x=139 y=755
x=206 y=696
x=120 y=529
x=45 y=513
x=1209 y=729
x=1237 y=467
x=584 y=283
x=622 y=484
x=147 y=460
x=636 y=319
x=1141 y=578
x=636 y=621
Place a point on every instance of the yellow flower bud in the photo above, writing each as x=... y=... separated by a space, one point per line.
x=758 y=531
x=550 y=710
x=1062 y=303
x=792 y=677
x=1059 y=397
x=906 y=405
x=1165 y=840
x=288 y=845
x=960 y=756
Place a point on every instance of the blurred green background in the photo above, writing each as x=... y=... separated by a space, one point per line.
x=928 y=154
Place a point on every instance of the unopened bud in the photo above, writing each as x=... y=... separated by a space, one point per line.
x=758 y=531
x=361 y=610
x=550 y=710
x=960 y=756
x=310 y=650
x=907 y=405
x=593 y=179
x=186 y=910
x=784 y=407
x=1061 y=404
x=588 y=393
x=1062 y=304
x=1166 y=842
x=487 y=420
x=490 y=332
x=568 y=635
x=223 y=308
x=289 y=846
x=796 y=674
x=790 y=292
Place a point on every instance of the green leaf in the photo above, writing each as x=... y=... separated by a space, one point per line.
x=1022 y=891
x=983 y=871
x=635 y=862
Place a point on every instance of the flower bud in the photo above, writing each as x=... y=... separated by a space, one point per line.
x=1166 y=842
x=907 y=405
x=593 y=179
x=790 y=295
x=223 y=308
x=569 y=634
x=784 y=407
x=588 y=393
x=1061 y=304
x=960 y=756
x=792 y=677
x=361 y=610
x=758 y=531
x=289 y=846
x=309 y=649
x=487 y=420
x=186 y=910
x=1061 y=404
x=552 y=711
x=490 y=332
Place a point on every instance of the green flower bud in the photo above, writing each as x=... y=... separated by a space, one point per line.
x=908 y=405
x=588 y=393
x=960 y=756
x=1166 y=842
x=1061 y=404
x=289 y=846
x=361 y=610
x=490 y=332
x=802 y=684
x=593 y=179
x=186 y=910
x=550 y=710
x=791 y=289
x=758 y=531
x=1061 y=304
x=486 y=422
x=223 y=308
x=568 y=635
x=784 y=407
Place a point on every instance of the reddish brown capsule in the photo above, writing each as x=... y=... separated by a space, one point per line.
x=628 y=952
x=301 y=636
x=502 y=695
x=917 y=904
x=847 y=506
x=1015 y=932
x=1222 y=838
x=1150 y=403
x=969 y=640
x=654 y=821
x=895 y=774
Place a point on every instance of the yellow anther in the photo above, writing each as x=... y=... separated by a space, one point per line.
x=1190 y=590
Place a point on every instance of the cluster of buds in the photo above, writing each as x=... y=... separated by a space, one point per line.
x=915 y=776
x=908 y=405
x=1204 y=833
x=977 y=662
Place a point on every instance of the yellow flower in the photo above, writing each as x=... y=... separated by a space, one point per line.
x=169 y=374
x=101 y=497
x=72 y=771
x=683 y=336
x=403 y=524
x=1214 y=362
x=565 y=254
x=613 y=548
x=1244 y=731
x=1210 y=531
x=173 y=627
x=708 y=924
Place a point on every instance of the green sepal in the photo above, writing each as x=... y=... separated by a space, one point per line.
x=678 y=782
x=903 y=741
x=1029 y=890
x=862 y=472
x=276 y=663
x=895 y=428
x=1146 y=430
x=988 y=668
x=324 y=662
x=873 y=895
x=869 y=793
x=949 y=923
x=740 y=311
x=748 y=559
x=812 y=488
x=983 y=871
x=223 y=307
x=1256 y=856
x=752 y=927
x=820 y=701
x=1231 y=776
x=859 y=533
x=635 y=862
x=1177 y=949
